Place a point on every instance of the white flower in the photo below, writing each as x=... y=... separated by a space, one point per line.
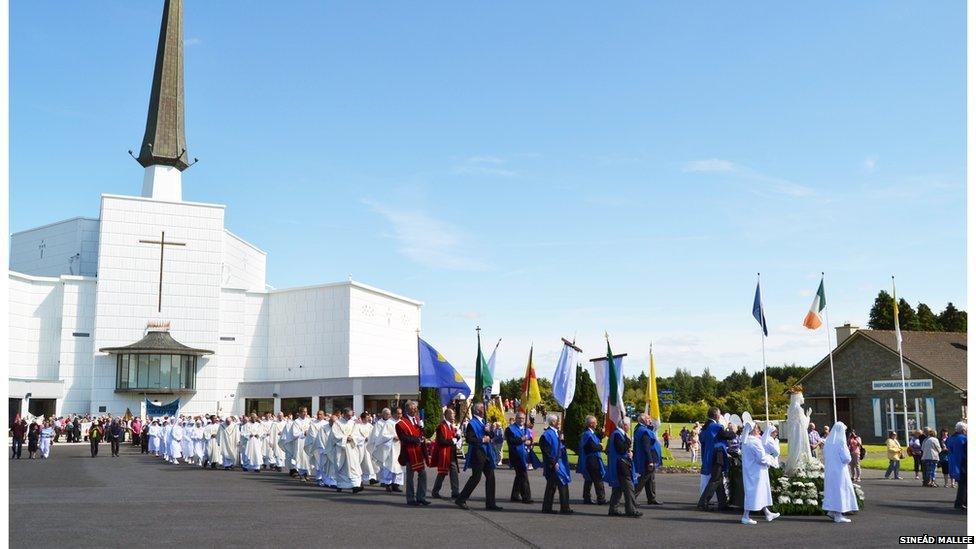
x=811 y=502
x=798 y=501
x=784 y=499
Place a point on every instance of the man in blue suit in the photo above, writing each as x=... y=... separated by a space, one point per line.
x=647 y=457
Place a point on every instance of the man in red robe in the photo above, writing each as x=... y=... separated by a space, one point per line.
x=413 y=454
x=445 y=456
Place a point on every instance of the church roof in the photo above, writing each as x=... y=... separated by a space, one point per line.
x=164 y=143
x=943 y=354
x=156 y=342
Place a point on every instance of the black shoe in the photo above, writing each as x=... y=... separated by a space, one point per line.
x=528 y=502
x=567 y=512
x=372 y=481
x=550 y=512
x=494 y=508
x=602 y=502
x=615 y=513
x=389 y=488
x=587 y=502
x=424 y=502
x=413 y=503
x=293 y=473
x=461 y=504
x=396 y=488
x=357 y=489
x=655 y=502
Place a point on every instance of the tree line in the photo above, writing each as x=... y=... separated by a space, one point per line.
x=882 y=316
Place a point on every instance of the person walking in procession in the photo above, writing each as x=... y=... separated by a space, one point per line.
x=481 y=460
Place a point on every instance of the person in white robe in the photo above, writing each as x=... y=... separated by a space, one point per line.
x=254 y=447
x=154 y=437
x=294 y=443
x=242 y=432
x=176 y=434
x=758 y=495
x=199 y=444
x=167 y=426
x=346 y=457
x=188 y=440
x=318 y=447
x=384 y=445
x=227 y=439
x=274 y=455
x=212 y=446
x=46 y=436
x=839 y=496
x=364 y=428
x=286 y=446
x=770 y=442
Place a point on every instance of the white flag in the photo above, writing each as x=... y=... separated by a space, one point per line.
x=564 y=380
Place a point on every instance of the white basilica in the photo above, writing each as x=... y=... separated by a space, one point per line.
x=157 y=300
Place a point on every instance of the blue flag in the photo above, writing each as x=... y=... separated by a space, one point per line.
x=757 y=311
x=436 y=371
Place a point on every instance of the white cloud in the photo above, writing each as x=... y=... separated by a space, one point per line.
x=429 y=241
x=192 y=42
x=870 y=164
x=761 y=182
x=484 y=165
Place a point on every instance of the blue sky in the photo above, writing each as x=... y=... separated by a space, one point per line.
x=542 y=169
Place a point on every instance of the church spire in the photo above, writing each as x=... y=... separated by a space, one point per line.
x=163 y=151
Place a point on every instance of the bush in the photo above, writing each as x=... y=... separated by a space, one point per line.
x=585 y=402
x=430 y=406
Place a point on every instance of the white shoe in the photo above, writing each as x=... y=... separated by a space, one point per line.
x=746 y=520
x=771 y=517
x=841 y=518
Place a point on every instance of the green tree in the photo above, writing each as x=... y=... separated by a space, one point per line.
x=736 y=381
x=548 y=399
x=430 y=404
x=927 y=320
x=907 y=318
x=704 y=387
x=783 y=373
x=585 y=402
x=952 y=319
x=882 y=315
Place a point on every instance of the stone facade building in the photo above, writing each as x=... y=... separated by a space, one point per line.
x=868 y=382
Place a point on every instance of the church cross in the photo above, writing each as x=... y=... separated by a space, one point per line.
x=162 y=248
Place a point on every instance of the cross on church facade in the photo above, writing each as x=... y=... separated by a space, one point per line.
x=162 y=249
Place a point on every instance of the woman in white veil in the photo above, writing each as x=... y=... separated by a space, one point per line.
x=756 y=461
x=839 y=497
x=770 y=443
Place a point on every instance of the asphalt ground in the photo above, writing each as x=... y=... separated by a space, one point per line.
x=73 y=500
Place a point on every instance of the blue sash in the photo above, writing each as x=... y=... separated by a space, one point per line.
x=478 y=426
x=551 y=436
x=589 y=436
x=517 y=453
x=614 y=459
x=641 y=458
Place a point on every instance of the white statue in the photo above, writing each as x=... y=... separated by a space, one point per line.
x=795 y=431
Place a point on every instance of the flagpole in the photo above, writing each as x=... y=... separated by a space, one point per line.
x=830 y=353
x=901 y=359
x=762 y=336
x=650 y=354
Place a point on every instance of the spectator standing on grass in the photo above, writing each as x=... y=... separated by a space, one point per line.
x=684 y=438
x=894 y=456
x=694 y=444
x=957 y=463
x=816 y=441
x=854 y=445
x=666 y=438
x=930 y=457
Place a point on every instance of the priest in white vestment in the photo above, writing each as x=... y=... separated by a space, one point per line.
x=294 y=443
x=839 y=496
x=175 y=441
x=227 y=439
x=254 y=448
x=318 y=446
x=384 y=445
x=755 y=474
x=187 y=440
x=273 y=454
x=212 y=454
x=364 y=428
x=346 y=442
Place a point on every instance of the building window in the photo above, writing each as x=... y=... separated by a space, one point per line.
x=163 y=372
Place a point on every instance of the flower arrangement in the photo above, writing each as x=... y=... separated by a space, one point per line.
x=802 y=493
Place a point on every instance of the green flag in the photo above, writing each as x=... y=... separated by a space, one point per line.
x=482 y=376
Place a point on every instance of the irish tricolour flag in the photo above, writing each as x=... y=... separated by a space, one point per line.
x=813 y=320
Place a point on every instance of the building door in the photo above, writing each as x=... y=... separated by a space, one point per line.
x=14 y=409
x=291 y=406
x=259 y=406
x=844 y=414
x=42 y=407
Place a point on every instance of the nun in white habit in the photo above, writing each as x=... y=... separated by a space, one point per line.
x=839 y=497
x=771 y=443
x=755 y=474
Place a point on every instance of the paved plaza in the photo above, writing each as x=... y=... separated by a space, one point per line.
x=72 y=500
